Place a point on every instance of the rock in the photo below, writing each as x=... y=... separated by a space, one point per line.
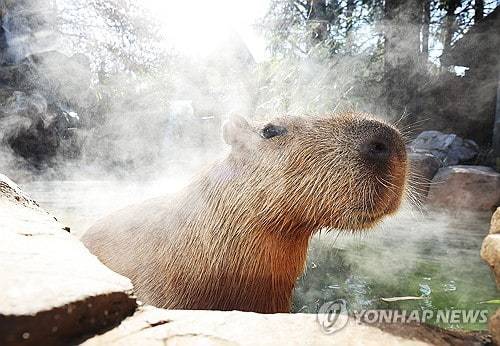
x=494 y=326
x=151 y=326
x=465 y=187
x=423 y=167
x=21 y=104
x=449 y=148
x=495 y=222
x=59 y=77
x=490 y=252
x=9 y=75
x=36 y=130
x=28 y=27
x=52 y=289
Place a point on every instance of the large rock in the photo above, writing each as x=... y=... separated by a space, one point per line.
x=151 y=326
x=465 y=187
x=449 y=148
x=495 y=222
x=52 y=289
x=36 y=130
x=28 y=27
x=490 y=252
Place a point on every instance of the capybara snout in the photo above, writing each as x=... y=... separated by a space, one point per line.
x=382 y=150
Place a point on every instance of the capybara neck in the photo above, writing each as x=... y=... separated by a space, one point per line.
x=256 y=254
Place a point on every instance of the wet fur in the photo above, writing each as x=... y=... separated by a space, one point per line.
x=237 y=237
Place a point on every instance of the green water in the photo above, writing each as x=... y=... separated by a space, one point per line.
x=430 y=255
x=434 y=256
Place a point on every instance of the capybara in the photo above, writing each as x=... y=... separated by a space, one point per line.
x=236 y=238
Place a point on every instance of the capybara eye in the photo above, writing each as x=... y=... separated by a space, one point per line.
x=270 y=131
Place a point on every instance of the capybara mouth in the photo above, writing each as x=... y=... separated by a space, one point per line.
x=387 y=200
x=379 y=180
x=366 y=220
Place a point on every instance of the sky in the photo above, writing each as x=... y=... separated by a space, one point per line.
x=197 y=26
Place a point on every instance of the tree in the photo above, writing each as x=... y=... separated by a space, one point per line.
x=306 y=27
x=426 y=20
x=403 y=21
x=478 y=10
x=118 y=35
x=450 y=22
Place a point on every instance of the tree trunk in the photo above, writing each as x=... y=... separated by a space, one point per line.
x=317 y=21
x=478 y=10
x=349 y=13
x=426 y=18
x=401 y=56
x=450 y=22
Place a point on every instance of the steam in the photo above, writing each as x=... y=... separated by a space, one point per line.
x=433 y=255
x=143 y=111
x=119 y=72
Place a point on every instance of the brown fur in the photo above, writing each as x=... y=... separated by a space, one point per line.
x=237 y=237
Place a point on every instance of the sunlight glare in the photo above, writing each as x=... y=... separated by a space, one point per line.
x=199 y=27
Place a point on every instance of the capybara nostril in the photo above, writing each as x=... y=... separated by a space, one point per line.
x=376 y=150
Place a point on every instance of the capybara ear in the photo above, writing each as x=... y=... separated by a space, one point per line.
x=235 y=130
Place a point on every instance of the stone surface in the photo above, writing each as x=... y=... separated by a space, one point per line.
x=465 y=187
x=150 y=326
x=38 y=121
x=449 y=148
x=495 y=222
x=52 y=288
x=28 y=27
x=423 y=167
x=490 y=252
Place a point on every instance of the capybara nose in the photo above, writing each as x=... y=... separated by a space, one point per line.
x=376 y=149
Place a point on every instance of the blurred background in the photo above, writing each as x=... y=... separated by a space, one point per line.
x=107 y=102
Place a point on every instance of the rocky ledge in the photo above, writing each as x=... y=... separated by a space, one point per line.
x=151 y=326
x=443 y=177
x=52 y=289
x=490 y=252
x=465 y=187
x=55 y=292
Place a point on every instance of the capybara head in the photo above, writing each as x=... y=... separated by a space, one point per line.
x=345 y=171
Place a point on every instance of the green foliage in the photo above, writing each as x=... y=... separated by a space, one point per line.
x=118 y=35
x=319 y=28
